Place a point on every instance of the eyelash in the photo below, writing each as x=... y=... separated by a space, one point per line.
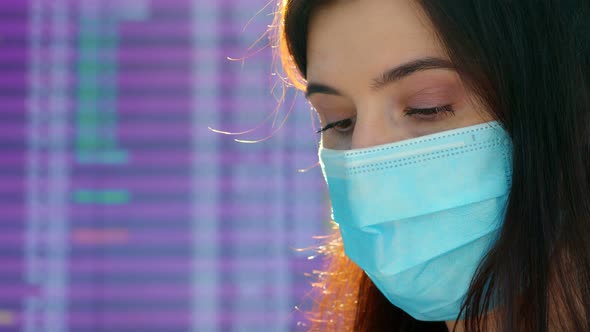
x=446 y=110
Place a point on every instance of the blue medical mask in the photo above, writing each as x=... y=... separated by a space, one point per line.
x=418 y=215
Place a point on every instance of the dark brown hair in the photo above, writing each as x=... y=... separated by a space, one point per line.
x=529 y=63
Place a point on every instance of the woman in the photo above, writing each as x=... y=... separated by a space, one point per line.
x=455 y=145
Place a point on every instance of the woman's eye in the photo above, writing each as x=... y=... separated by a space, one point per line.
x=344 y=125
x=430 y=113
x=340 y=126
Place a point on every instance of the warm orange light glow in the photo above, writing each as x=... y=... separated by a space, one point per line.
x=93 y=236
x=6 y=317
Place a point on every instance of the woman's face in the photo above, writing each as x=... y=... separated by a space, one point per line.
x=353 y=50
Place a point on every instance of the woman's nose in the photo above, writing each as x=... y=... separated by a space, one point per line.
x=374 y=129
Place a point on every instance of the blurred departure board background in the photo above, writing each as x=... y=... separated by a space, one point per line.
x=119 y=209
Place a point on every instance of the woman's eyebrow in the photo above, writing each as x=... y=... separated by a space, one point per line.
x=389 y=76
x=409 y=68
x=320 y=88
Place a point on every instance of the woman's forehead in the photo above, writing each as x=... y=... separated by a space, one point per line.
x=356 y=40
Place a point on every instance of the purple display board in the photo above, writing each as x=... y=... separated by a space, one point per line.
x=119 y=209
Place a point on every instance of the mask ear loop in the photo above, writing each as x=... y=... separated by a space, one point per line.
x=303 y=170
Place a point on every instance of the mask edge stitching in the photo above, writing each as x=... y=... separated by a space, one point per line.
x=355 y=172
x=492 y=126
